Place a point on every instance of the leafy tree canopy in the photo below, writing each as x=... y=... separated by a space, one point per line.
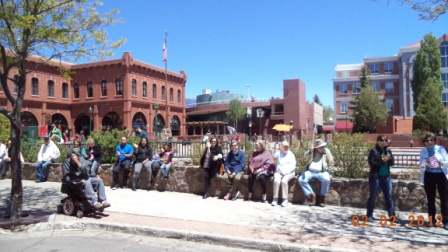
x=236 y=111
x=369 y=111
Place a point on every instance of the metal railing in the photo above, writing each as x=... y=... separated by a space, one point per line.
x=406 y=160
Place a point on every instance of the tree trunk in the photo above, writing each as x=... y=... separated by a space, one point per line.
x=16 y=171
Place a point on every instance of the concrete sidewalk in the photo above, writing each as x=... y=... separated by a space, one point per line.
x=241 y=224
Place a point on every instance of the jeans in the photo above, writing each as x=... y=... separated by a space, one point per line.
x=91 y=195
x=138 y=168
x=41 y=167
x=94 y=168
x=126 y=165
x=386 y=186
x=165 y=168
x=231 y=182
x=323 y=177
x=4 y=165
x=433 y=182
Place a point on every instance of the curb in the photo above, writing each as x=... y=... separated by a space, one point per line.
x=209 y=238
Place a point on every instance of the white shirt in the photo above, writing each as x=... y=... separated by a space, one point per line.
x=21 y=157
x=3 y=152
x=48 y=152
x=286 y=163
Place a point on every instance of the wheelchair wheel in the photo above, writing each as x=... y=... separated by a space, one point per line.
x=59 y=209
x=68 y=208
x=101 y=210
x=79 y=214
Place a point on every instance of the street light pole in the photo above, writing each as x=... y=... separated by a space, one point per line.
x=260 y=113
x=290 y=132
x=250 y=129
x=90 y=120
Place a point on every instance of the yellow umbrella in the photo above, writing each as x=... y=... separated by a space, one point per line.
x=282 y=127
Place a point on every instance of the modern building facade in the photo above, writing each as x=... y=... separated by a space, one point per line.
x=390 y=77
x=262 y=114
x=104 y=95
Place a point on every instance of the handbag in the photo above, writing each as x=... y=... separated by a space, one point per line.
x=221 y=169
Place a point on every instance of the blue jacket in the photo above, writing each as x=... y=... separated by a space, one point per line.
x=235 y=162
x=127 y=149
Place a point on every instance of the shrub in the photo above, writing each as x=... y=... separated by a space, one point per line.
x=109 y=140
x=350 y=155
x=196 y=151
x=299 y=148
x=30 y=149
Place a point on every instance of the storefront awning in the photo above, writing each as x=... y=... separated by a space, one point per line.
x=344 y=126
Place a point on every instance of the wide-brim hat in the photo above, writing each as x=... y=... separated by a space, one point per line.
x=319 y=143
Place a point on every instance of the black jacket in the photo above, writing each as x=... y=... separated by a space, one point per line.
x=376 y=161
x=72 y=173
x=213 y=152
x=96 y=153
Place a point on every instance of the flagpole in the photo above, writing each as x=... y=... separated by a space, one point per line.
x=166 y=83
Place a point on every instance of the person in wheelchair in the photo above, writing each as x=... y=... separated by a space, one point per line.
x=76 y=174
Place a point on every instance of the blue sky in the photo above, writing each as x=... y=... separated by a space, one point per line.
x=230 y=43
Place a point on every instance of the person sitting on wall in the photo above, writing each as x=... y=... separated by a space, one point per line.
x=6 y=160
x=261 y=167
x=285 y=171
x=47 y=155
x=93 y=155
x=124 y=153
x=167 y=160
x=234 y=166
x=56 y=134
x=143 y=159
x=211 y=160
x=317 y=168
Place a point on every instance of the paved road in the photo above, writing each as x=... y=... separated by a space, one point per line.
x=100 y=241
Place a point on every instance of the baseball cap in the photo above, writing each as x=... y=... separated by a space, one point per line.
x=47 y=136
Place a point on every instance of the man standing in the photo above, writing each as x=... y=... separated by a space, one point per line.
x=234 y=166
x=48 y=153
x=124 y=153
x=139 y=133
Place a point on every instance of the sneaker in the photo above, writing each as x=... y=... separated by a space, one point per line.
x=98 y=205
x=274 y=202
x=134 y=189
x=285 y=203
x=227 y=197
x=235 y=196
x=105 y=204
x=115 y=187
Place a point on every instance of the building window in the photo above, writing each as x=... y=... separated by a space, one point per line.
x=163 y=93
x=445 y=99
x=179 y=98
x=76 y=91
x=65 y=90
x=388 y=67
x=376 y=86
x=390 y=105
x=34 y=86
x=445 y=80
x=343 y=89
x=344 y=107
x=345 y=74
x=154 y=91
x=118 y=87
x=389 y=87
x=444 y=53
x=171 y=95
x=90 y=90
x=134 y=87
x=104 y=88
x=50 y=88
x=16 y=87
x=356 y=88
x=374 y=68
x=145 y=89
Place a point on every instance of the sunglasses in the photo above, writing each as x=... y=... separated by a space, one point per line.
x=429 y=140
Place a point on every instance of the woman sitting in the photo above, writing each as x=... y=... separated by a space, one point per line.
x=167 y=160
x=93 y=154
x=143 y=158
x=261 y=166
x=77 y=147
x=285 y=170
x=211 y=160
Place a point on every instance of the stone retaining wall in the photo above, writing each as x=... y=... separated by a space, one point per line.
x=408 y=195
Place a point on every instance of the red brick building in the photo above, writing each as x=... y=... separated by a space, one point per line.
x=111 y=94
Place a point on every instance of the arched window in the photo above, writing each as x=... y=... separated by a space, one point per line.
x=89 y=89
x=134 y=87
x=444 y=53
x=50 y=88
x=163 y=93
x=118 y=87
x=145 y=89
x=34 y=86
x=65 y=90
x=179 y=98
x=171 y=95
x=76 y=91
x=154 y=91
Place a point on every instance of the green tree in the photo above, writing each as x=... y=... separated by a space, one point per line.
x=317 y=99
x=369 y=111
x=235 y=112
x=52 y=29
x=5 y=128
x=427 y=65
x=328 y=114
x=364 y=77
x=430 y=114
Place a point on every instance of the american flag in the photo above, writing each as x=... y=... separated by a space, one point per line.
x=432 y=162
x=164 y=52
